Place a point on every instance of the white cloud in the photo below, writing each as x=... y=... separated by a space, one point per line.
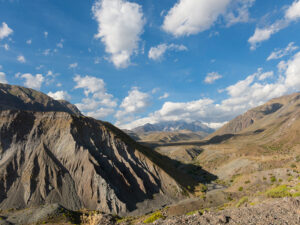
x=97 y=101
x=46 y=52
x=264 y=33
x=243 y=95
x=212 y=77
x=156 y=53
x=73 y=65
x=21 y=59
x=240 y=12
x=165 y=95
x=31 y=81
x=60 y=44
x=120 y=24
x=266 y=75
x=193 y=16
x=293 y=12
x=3 y=78
x=46 y=34
x=277 y=54
x=29 y=42
x=135 y=102
x=1 y=67
x=59 y=95
x=101 y=113
x=5 y=46
x=5 y=31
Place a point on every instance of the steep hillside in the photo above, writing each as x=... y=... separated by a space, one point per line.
x=271 y=112
x=55 y=156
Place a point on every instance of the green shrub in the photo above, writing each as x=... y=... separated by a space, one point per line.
x=153 y=217
x=247 y=182
x=241 y=188
x=273 y=179
x=293 y=165
x=242 y=201
x=279 y=192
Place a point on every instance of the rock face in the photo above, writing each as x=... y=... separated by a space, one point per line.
x=51 y=155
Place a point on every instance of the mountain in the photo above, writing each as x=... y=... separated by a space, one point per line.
x=171 y=137
x=50 y=153
x=279 y=114
x=19 y=98
x=173 y=126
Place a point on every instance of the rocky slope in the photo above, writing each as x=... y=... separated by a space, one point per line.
x=269 y=112
x=49 y=154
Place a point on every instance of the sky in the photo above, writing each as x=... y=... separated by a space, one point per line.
x=132 y=62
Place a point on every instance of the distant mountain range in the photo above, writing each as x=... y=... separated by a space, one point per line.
x=171 y=126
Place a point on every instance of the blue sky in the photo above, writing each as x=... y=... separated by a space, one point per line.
x=134 y=62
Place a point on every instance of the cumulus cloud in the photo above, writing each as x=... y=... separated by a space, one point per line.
x=46 y=34
x=2 y=77
x=280 y=53
x=293 y=12
x=29 y=42
x=97 y=100
x=212 y=77
x=157 y=52
x=188 y=17
x=5 y=31
x=135 y=102
x=243 y=95
x=21 y=59
x=120 y=24
x=264 y=33
x=59 y=95
x=73 y=65
x=31 y=81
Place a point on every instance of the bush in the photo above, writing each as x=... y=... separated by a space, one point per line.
x=273 y=179
x=279 y=192
x=153 y=217
x=241 y=188
x=242 y=201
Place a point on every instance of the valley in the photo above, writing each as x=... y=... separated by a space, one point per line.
x=163 y=175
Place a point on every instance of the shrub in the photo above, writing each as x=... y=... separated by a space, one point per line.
x=153 y=217
x=273 y=179
x=247 y=182
x=242 y=201
x=293 y=165
x=241 y=188
x=279 y=192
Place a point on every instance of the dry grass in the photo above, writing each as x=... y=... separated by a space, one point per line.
x=91 y=219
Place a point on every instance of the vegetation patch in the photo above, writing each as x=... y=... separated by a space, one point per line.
x=279 y=192
x=242 y=201
x=153 y=217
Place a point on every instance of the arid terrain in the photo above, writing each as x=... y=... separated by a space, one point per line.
x=58 y=166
